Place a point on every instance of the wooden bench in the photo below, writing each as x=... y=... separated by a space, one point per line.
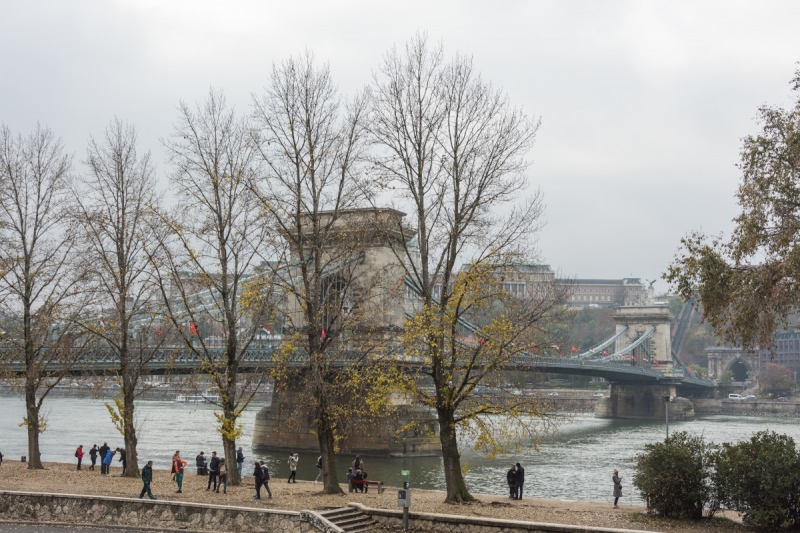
x=366 y=483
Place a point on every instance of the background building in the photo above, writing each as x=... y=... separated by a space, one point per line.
x=609 y=292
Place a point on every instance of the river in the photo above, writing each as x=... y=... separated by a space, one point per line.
x=575 y=463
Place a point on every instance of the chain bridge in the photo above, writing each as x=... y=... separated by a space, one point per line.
x=634 y=354
x=639 y=352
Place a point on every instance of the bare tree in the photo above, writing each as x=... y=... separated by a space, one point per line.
x=310 y=144
x=114 y=206
x=38 y=285
x=213 y=291
x=452 y=149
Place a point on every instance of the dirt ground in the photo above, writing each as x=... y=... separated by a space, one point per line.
x=64 y=478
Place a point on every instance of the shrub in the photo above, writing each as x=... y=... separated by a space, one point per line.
x=760 y=479
x=674 y=477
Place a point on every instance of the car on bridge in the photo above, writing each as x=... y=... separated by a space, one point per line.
x=597 y=395
x=735 y=396
x=553 y=394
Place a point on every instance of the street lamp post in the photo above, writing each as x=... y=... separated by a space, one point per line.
x=667 y=399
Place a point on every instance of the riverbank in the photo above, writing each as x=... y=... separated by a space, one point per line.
x=303 y=495
x=703 y=406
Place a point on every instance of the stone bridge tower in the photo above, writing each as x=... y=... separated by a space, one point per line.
x=363 y=248
x=637 y=400
x=639 y=320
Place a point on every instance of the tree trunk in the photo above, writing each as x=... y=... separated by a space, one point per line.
x=229 y=449
x=327 y=441
x=128 y=394
x=457 y=491
x=32 y=416
x=228 y=444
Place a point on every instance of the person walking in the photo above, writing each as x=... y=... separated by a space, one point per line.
x=511 y=479
x=265 y=478
x=79 y=455
x=319 y=469
x=617 y=479
x=213 y=471
x=107 y=461
x=223 y=476
x=520 y=480
x=258 y=479
x=293 y=458
x=93 y=456
x=123 y=458
x=178 y=465
x=239 y=461
x=103 y=451
x=147 y=478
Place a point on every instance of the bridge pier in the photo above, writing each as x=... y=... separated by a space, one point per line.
x=277 y=427
x=643 y=402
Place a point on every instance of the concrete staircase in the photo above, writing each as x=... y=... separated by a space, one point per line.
x=349 y=519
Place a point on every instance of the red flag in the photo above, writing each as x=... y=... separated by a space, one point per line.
x=574 y=349
x=633 y=358
x=605 y=352
x=655 y=362
x=159 y=332
x=193 y=328
x=324 y=335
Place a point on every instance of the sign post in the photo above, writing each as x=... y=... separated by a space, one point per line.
x=404 y=498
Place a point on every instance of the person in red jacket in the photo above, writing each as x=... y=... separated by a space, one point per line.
x=79 y=455
x=178 y=465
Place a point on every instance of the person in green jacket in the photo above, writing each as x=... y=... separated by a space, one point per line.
x=147 y=478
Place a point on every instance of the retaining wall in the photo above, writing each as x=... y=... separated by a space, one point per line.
x=429 y=522
x=166 y=515
x=75 y=509
x=746 y=408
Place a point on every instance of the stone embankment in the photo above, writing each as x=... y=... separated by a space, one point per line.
x=746 y=407
x=129 y=512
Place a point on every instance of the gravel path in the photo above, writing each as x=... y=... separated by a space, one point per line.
x=63 y=478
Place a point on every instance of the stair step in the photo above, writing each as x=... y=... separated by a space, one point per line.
x=335 y=512
x=349 y=519
x=355 y=521
x=344 y=518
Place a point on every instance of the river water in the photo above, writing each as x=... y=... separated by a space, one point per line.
x=575 y=463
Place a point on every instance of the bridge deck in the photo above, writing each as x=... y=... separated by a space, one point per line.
x=177 y=360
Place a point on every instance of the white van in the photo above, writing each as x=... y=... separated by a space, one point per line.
x=735 y=397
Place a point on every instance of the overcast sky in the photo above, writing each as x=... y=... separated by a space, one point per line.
x=643 y=104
